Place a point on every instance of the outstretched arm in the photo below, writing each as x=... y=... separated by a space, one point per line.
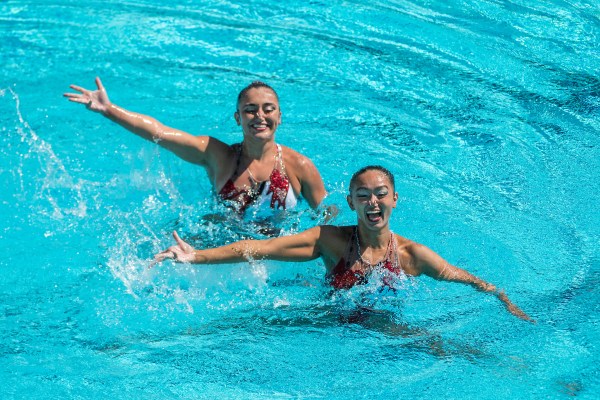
x=428 y=262
x=300 y=247
x=188 y=147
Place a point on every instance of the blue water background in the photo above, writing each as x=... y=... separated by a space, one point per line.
x=487 y=112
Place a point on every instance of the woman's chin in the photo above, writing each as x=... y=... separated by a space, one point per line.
x=264 y=136
x=374 y=225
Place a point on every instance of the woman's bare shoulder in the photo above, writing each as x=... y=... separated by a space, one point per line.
x=335 y=235
x=295 y=160
x=405 y=243
x=334 y=230
x=333 y=241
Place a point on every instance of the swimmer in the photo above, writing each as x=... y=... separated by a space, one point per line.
x=350 y=253
x=256 y=171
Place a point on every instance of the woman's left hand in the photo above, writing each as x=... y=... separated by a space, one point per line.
x=512 y=308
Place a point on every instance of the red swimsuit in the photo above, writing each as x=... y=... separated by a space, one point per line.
x=341 y=277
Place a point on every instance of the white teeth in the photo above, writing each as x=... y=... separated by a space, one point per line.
x=374 y=215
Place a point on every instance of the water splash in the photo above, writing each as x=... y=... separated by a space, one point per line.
x=48 y=182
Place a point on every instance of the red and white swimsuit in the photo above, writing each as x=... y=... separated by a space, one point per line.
x=277 y=191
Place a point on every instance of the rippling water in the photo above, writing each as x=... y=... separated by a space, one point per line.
x=487 y=112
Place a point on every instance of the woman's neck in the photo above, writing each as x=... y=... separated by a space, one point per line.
x=374 y=239
x=258 y=150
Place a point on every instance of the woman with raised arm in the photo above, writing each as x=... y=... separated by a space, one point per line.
x=350 y=253
x=257 y=171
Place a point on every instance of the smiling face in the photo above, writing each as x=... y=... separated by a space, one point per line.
x=258 y=113
x=372 y=196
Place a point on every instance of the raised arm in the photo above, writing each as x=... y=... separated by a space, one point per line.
x=300 y=247
x=194 y=149
x=427 y=262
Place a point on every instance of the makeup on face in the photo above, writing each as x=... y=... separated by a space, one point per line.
x=259 y=111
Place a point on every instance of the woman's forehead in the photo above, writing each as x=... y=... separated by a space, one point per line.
x=372 y=179
x=259 y=95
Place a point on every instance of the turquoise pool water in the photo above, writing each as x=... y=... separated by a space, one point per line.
x=487 y=112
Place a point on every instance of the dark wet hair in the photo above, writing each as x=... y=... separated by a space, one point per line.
x=255 y=85
x=379 y=168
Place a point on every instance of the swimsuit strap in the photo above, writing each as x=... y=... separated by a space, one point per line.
x=390 y=256
x=394 y=252
x=346 y=256
x=238 y=159
x=279 y=159
x=350 y=245
x=255 y=186
x=390 y=253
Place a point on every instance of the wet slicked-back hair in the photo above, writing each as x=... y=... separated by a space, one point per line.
x=254 y=85
x=379 y=168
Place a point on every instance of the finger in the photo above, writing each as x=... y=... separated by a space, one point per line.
x=176 y=236
x=74 y=95
x=158 y=258
x=164 y=255
x=81 y=100
x=99 y=83
x=183 y=245
x=78 y=88
x=179 y=241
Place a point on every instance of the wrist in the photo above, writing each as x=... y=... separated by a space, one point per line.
x=197 y=257
x=489 y=288
x=108 y=110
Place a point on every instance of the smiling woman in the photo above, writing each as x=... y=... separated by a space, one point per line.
x=351 y=253
x=254 y=172
x=259 y=115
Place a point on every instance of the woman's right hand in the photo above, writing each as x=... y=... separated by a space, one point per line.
x=95 y=100
x=182 y=252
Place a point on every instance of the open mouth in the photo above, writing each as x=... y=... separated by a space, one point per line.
x=374 y=216
x=260 y=127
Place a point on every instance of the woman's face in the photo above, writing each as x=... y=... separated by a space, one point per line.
x=373 y=198
x=258 y=113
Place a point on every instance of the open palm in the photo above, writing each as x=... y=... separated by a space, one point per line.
x=95 y=100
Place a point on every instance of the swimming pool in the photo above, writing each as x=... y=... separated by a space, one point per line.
x=487 y=113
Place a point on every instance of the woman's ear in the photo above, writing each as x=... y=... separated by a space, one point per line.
x=349 y=199
x=395 y=199
x=236 y=115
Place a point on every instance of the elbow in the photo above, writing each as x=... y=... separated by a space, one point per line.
x=158 y=130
